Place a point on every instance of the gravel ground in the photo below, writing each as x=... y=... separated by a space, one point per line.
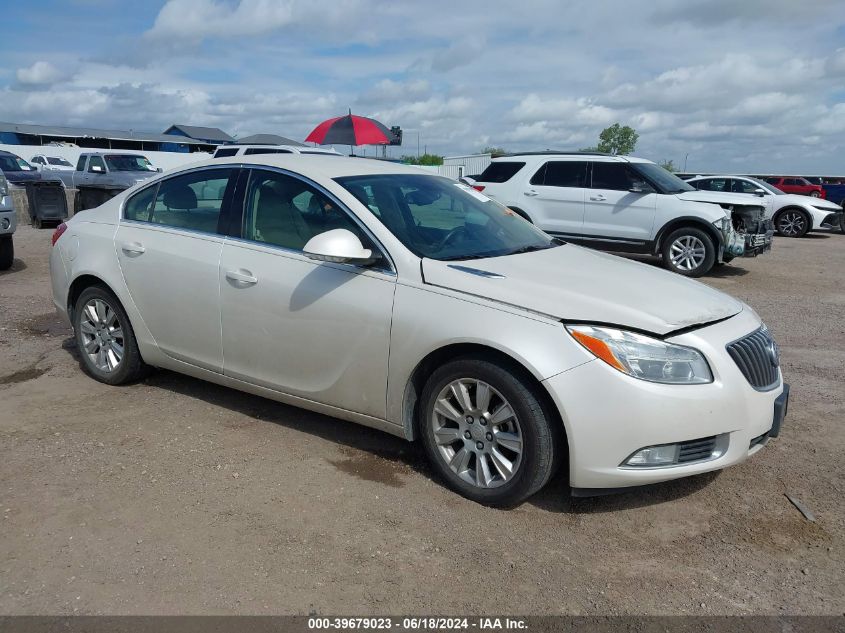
x=177 y=496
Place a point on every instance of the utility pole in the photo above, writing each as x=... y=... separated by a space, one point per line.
x=685 y=162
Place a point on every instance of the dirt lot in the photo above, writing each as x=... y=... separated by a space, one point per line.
x=176 y=496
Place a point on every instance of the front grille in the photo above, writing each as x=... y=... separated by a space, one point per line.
x=695 y=450
x=757 y=357
x=760 y=439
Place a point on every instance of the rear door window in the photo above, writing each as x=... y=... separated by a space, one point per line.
x=500 y=171
x=712 y=184
x=561 y=173
x=191 y=201
x=267 y=150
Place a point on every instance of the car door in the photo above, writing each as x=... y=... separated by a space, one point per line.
x=168 y=245
x=615 y=213
x=315 y=330
x=556 y=193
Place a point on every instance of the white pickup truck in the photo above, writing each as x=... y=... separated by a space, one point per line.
x=8 y=224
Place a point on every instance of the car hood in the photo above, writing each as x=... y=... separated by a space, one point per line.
x=719 y=197
x=577 y=284
x=791 y=198
x=15 y=177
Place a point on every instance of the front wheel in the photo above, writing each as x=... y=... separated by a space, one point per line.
x=689 y=251
x=486 y=433
x=7 y=252
x=105 y=338
x=792 y=223
x=815 y=194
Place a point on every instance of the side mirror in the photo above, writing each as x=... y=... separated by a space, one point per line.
x=641 y=187
x=96 y=169
x=158 y=169
x=760 y=192
x=339 y=246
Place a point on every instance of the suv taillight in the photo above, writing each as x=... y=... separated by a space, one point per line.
x=59 y=232
x=478 y=187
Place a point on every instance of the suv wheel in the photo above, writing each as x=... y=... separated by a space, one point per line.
x=486 y=433
x=689 y=251
x=815 y=194
x=105 y=338
x=7 y=252
x=792 y=223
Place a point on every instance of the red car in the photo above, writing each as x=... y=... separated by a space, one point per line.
x=800 y=186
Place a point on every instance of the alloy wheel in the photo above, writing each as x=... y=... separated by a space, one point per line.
x=687 y=252
x=792 y=224
x=477 y=433
x=102 y=335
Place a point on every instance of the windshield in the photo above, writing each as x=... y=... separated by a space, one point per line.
x=764 y=185
x=14 y=163
x=54 y=160
x=128 y=162
x=666 y=181
x=442 y=219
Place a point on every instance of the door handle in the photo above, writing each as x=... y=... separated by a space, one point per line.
x=132 y=248
x=531 y=193
x=598 y=197
x=244 y=277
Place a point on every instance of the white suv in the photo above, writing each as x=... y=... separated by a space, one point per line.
x=628 y=204
x=226 y=151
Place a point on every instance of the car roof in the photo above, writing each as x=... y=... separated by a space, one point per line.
x=597 y=156
x=327 y=166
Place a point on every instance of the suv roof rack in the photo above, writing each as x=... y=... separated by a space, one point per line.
x=552 y=151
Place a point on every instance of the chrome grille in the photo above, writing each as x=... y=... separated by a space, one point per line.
x=695 y=450
x=757 y=357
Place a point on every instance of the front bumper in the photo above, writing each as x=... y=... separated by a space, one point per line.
x=832 y=220
x=609 y=416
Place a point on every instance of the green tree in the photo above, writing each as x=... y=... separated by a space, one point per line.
x=669 y=165
x=618 y=139
x=425 y=159
x=494 y=151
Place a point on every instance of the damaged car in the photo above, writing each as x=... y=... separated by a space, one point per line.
x=630 y=205
x=411 y=303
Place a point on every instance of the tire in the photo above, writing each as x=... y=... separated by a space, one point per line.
x=815 y=194
x=7 y=252
x=485 y=434
x=77 y=202
x=98 y=341
x=37 y=223
x=688 y=251
x=842 y=224
x=792 y=223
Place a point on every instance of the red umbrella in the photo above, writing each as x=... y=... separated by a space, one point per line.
x=350 y=130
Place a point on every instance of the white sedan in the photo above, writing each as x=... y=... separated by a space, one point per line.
x=411 y=303
x=792 y=215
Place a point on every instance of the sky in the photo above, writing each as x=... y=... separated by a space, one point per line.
x=723 y=85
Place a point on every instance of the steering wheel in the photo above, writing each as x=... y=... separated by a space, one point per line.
x=451 y=235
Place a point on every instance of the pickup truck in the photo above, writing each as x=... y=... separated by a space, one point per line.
x=8 y=224
x=100 y=176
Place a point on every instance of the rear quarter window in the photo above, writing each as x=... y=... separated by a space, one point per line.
x=501 y=171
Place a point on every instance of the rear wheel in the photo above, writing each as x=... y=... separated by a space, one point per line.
x=815 y=194
x=7 y=252
x=792 y=223
x=486 y=433
x=689 y=251
x=105 y=338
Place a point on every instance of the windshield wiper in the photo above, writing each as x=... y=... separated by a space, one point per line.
x=453 y=258
x=531 y=249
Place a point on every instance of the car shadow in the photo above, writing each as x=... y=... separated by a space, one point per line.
x=392 y=456
x=17 y=266
x=725 y=271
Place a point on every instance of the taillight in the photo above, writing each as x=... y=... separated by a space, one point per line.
x=59 y=232
x=478 y=187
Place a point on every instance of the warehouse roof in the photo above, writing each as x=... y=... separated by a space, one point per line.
x=268 y=139
x=199 y=133
x=87 y=132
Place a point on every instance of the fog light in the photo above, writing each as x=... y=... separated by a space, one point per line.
x=654 y=456
x=5 y=223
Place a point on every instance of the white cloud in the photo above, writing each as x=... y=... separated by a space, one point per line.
x=39 y=74
x=196 y=19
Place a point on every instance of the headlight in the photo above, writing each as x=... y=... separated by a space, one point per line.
x=4 y=185
x=644 y=357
